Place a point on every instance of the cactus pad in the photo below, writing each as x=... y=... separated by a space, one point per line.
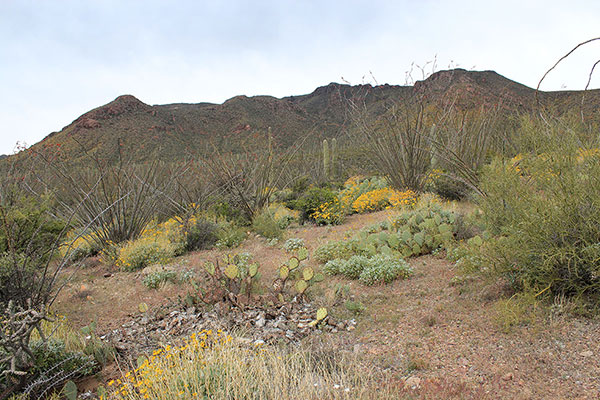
x=301 y=286
x=302 y=253
x=232 y=271
x=253 y=270
x=308 y=273
x=321 y=314
x=284 y=272
x=293 y=262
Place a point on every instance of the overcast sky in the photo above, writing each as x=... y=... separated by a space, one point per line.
x=59 y=59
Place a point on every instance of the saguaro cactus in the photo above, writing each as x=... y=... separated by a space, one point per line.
x=326 y=163
x=333 y=158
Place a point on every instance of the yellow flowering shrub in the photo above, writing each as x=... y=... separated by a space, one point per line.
x=330 y=213
x=158 y=244
x=283 y=215
x=158 y=377
x=380 y=199
x=356 y=186
x=78 y=247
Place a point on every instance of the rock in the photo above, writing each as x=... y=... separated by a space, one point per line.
x=260 y=321
x=508 y=377
x=588 y=353
x=412 y=383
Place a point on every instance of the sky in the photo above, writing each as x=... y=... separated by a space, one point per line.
x=61 y=58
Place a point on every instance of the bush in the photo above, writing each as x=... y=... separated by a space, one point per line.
x=202 y=235
x=230 y=371
x=380 y=199
x=156 y=279
x=354 y=266
x=53 y=365
x=230 y=235
x=27 y=224
x=144 y=252
x=384 y=269
x=283 y=215
x=334 y=267
x=379 y=268
x=449 y=189
x=265 y=225
x=332 y=250
x=293 y=244
x=545 y=210
x=312 y=200
x=78 y=248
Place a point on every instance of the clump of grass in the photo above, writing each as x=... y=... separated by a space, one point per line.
x=214 y=365
x=266 y=225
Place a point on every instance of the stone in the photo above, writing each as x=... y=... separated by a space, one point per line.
x=508 y=377
x=412 y=383
x=588 y=353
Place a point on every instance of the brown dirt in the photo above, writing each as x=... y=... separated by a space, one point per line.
x=424 y=327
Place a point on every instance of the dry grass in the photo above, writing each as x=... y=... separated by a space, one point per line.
x=216 y=366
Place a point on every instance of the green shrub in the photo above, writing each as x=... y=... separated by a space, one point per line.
x=355 y=265
x=332 y=250
x=334 y=267
x=355 y=307
x=450 y=189
x=201 y=235
x=230 y=235
x=293 y=244
x=28 y=224
x=224 y=210
x=384 y=269
x=545 y=210
x=310 y=202
x=53 y=363
x=265 y=225
x=156 y=279
x=142 y=253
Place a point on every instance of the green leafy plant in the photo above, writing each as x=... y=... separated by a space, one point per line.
x=230 y=235
x=384 y=269
x=310 y=202
x=156 y=279
x=201 y=235
x=266 y=225
x=355 y=307
x=544 y=212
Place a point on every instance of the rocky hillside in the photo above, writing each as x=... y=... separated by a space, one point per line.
x=173 y=131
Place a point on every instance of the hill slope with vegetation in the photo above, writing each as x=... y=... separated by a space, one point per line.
x=176 y=131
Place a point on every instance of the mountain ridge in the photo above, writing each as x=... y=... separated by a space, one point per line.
x=177 y=129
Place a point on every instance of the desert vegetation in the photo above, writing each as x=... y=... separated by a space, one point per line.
x=301 y=243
